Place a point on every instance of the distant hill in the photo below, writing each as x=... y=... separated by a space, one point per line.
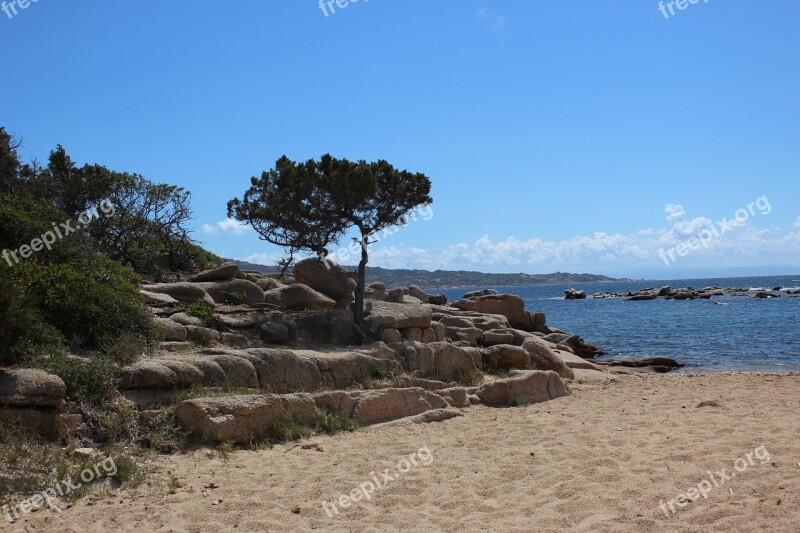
x=444 y=279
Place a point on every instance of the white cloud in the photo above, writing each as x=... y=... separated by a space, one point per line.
x=497 y=23
x=797 y=223
x=262 y=259
x=674 y=211
x=228 y=225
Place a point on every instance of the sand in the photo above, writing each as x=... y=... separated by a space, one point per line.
x=602 y=459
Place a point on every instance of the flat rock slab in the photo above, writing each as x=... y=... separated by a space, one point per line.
x=524 y=387
x=30 y=387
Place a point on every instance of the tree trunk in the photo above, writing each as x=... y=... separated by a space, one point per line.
x=361 y=279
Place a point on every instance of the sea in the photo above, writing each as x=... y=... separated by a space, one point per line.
x=726 y=333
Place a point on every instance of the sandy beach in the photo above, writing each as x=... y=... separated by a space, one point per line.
x=615 y=456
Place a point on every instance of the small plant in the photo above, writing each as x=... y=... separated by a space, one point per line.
x=224 y=449
x=205 y=313
x=333 y=423
x=174 y=484
x=90 y=380
x=379 y=372
x=201 y=337
x=518 y=402
x=127 y=469
x=469 y=377
x=235 y=298
x=289 y=428
x=246 y=277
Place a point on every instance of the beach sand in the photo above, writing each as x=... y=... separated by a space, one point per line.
x=601 y=459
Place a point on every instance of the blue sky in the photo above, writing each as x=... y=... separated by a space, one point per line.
x=556 y=133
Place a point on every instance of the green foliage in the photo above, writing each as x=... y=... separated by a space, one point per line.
x=91 y=380
x=204 y=312
x=201 y=337
x=468 y=377
x=289 y=428
x=333 y=423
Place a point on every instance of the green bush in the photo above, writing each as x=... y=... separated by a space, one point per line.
x=204 y=312
x=92 y=379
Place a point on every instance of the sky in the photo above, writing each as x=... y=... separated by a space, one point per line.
x=576 y=136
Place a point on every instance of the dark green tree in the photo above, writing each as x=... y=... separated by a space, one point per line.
x=309 y=206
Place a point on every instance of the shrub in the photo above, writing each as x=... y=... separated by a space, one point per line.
x=204 y=312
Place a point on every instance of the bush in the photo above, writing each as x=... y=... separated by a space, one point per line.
x=92 y=380
x=204 y=312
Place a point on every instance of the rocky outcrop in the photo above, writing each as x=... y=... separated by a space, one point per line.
x=524 y=387
x=505 y=356
x=508 y=305
x=224 y=272
x=171 y=330
x=573 y=294
x=30 y=387
x=576 y=345
x=543 y=357
x=328 y=278
x=398 y=316
x=235 y=291
x=278 y=329
x=299 y=296
x=440 y=360
x=333 y=328
x=184 y=292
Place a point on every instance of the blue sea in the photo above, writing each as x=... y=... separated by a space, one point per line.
x=742 y=334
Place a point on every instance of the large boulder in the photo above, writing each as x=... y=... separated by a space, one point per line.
x=505 y=356
x=299 y=296
x=243 y=418
x=524 y=387
x=441 y=360
x=573 y=294
x=398 y=316
x=30 y=387
x=162 y=374
x=184 y=292
x=543 y=357
x=376 y=291
x=236 y=291
x=508 y=305
x=418 y=293
x=376 y=406
x=437 y=299
x=154 y=298
x=224 y=272
x=579 y=347
x=332 y=327
x=171 y=330
x=267 y=284
x=328 y=278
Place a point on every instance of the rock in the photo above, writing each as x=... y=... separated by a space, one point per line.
x=235 y=340
x=201 y=334
x=508 y=305
x=395 y=296
x=236 y=291
x=441 y=360
x=665 y=290
x=456 y=322
x=642 y=297
x=657 y=364
x=379 y=350
x=171 y=330
x=332 y=327
x=505 y=356
x=576 y=345
x=184 y=292
x=389 y=335
x=400 y=316
x=186 y=320
x=439 y=331
x=437 y=299
x=475 y=294
x=455 y=396
x=84 y=453
x=377 y=406
x=525 y=387
x=224 y=272
x=572 y=294
x=435 y=415
x=418 y=293
x=30 y=387
x=377 y=291
x=328 y=278
x=48 y=424
x=411 y=334
x=469 y=335
x=378 y=286
x=278 y=329
x=267 y=284
x=154 y=298
x=429 y=335
x=163 y=374
x=496 y=336
x=574 y=362
x=242 y=419
x=543 y=357
x=299 y=296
